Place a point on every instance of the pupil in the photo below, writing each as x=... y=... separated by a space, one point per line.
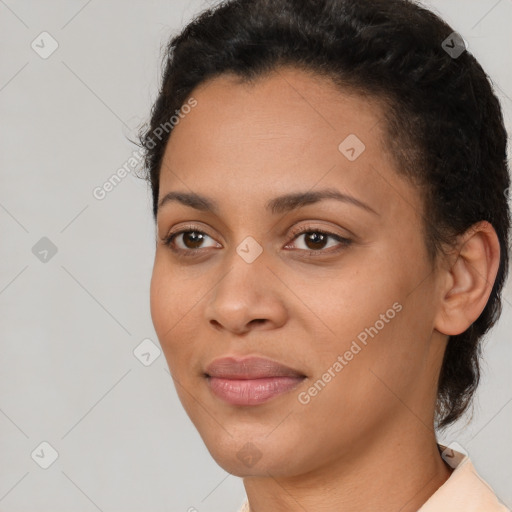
x=315 y=238
x=190 y=236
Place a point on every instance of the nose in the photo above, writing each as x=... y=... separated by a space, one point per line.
x=247 y=296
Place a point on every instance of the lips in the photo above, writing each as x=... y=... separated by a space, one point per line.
x=249 y=368
x=250 y=381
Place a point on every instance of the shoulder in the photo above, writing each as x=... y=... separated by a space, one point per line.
x=245 y=507
x=464 y=491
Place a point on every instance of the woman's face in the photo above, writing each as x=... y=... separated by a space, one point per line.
x=356 y=320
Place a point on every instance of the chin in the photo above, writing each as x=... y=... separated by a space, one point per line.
x=255 y=455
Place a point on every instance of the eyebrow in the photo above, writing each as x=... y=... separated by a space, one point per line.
x=278 y=205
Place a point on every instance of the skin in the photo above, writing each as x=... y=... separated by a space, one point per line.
x=366 y=441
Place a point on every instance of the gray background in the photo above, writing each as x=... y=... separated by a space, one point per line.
x=69 y=326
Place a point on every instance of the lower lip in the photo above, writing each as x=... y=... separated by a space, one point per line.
x=251 y=391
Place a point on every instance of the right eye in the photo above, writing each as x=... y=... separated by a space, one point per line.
x=191 y=238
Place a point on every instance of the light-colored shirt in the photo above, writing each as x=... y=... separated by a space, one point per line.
x=464 y=491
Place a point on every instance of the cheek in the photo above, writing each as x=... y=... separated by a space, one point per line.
x=171 y=302
x=372 y=381
x=171 y=296
x=161 y=300
x=370 y=318
x=352 y=299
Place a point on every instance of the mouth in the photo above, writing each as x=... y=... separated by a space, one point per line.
x=250 y=381
x=251 y=391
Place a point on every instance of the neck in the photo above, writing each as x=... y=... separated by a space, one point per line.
x=398 y=473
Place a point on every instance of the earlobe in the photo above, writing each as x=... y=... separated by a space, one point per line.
x=469 y=279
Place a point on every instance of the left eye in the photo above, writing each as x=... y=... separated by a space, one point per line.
x=315 y=240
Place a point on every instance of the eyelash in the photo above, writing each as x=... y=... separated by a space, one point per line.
x=188 y=253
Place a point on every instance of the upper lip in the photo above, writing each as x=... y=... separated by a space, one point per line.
x=249 y=368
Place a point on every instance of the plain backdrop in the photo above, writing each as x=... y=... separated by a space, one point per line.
x=75 y=270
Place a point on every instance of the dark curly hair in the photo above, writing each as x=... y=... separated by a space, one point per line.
x=443 y=123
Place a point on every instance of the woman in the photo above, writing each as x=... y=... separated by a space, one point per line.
x=332 y=229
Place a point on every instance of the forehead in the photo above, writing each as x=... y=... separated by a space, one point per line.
x=283 y=131
x=286 y=109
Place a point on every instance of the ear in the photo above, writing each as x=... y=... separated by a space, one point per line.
x=469 y=280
